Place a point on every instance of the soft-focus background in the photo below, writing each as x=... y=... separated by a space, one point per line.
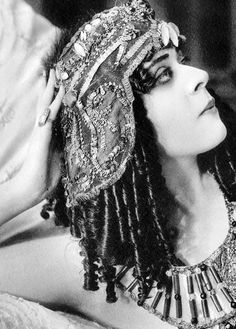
x=27 y=31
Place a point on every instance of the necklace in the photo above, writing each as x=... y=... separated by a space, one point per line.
x=198 y=296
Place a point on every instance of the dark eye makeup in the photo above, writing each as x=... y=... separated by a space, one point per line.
x=165 y=73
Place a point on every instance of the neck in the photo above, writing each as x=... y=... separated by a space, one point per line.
x=184 y=180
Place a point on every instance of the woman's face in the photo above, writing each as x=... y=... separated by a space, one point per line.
x=181 y=109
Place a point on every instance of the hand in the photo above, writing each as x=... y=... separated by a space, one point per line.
x=40 y=172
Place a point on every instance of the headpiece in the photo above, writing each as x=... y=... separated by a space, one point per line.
x=97 y=117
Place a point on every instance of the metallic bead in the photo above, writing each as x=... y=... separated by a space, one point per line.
x=215 y=274
x=199 y=279
x=83 y=36
x=212 y=292
x=233 y=304
x=227 y=295
x=190 y=284
x=216 y=303
x=206 y=280
x=121 y=273
x=79 y=49
x=92 y=95
x=194 y=320
x=197 y=270
x=205 y=308
x=203 y=295
x=102 y=91
x=178 y=306
x=156 y=300
x=64 y=76
x=166 y=309
x=167 y=301
x=132 y=285
x=203 y=267
x=193 y=309
x=176 y=285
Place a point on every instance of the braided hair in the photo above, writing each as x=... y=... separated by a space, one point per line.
x=126 y=224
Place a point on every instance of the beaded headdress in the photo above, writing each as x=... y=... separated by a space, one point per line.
x=97 y=117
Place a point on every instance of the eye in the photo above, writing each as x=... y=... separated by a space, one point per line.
x=163 y=75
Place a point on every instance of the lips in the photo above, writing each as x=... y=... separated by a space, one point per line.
x=210 y=105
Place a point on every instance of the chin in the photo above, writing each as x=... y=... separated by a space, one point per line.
x=218 y=134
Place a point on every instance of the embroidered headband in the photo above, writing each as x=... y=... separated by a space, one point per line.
x=97 y=117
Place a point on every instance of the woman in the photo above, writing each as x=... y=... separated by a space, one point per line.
x=36 y=179
x=149 y=182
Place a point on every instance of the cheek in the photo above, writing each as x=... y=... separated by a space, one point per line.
x=177 y=138
x=159 y=110
x=172 y=124
x=179 y=130
x=190 y=138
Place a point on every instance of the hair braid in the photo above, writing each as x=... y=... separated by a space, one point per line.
x=109 y=274
x=142 y=262
x=88 y=242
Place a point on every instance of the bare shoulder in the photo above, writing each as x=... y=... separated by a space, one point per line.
x=49 y=270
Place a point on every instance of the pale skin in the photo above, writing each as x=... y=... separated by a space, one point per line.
x=183 y=133
x=55 y=275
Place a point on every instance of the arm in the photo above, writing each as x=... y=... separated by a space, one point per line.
x=41 y=169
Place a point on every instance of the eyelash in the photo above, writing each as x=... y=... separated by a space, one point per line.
x=166 y=75
x=184 y=60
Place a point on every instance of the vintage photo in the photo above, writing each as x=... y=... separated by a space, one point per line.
x=117 y=164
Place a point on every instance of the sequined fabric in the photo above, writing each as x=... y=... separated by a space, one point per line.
x=97 y=119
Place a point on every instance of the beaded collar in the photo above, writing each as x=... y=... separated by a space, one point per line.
x=198 y=296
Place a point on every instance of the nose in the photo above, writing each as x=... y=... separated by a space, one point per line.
x=197 y=79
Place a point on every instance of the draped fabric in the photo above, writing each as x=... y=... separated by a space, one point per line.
x=19 y=313
x=25 y=38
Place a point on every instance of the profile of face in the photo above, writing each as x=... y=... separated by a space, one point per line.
x=180 y=107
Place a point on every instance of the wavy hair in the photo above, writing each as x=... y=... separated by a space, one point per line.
x=127 y=223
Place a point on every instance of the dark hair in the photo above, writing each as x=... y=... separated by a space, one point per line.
x=127 y=223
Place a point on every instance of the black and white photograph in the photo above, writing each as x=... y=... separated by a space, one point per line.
x=117 y=164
